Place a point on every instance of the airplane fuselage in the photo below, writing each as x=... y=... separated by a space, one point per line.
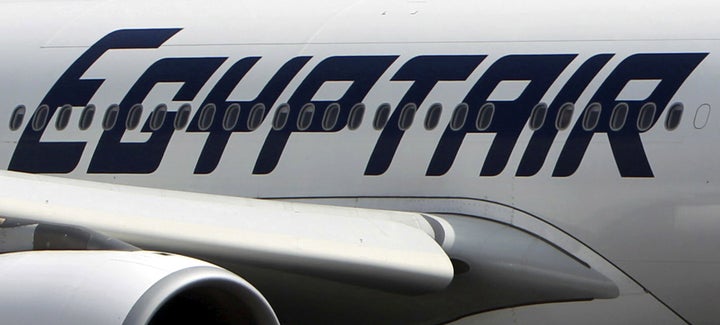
x=593 y=120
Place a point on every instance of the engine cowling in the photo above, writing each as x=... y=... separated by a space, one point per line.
x=124 y=287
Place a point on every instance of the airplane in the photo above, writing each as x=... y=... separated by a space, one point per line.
x=359 y=162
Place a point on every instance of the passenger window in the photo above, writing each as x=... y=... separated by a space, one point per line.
x=111 y=116
x=459 y=116
x=592 y=116
x=407 y=116
x=16 y=119
x=674 y=116
x=537 y=117
x=232 y=114
x=133 y=118
x=307 y=112
x=702 y=115
x=183 y=117
x=485 y=116
x=381 y=116
x=646 y=117
x=281 y=117
x=41 y=116
x=356 y=116
x=332 y=112
x=86 y=117
x=432 y=119
x=207 y=116
x=618 y=117
x=257 y=113
x=564 y=116
x=157 y=119
x=63 y=118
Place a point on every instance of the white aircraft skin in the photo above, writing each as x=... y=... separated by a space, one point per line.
x=654 y=236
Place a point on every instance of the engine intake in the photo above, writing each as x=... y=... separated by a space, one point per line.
x=124 y=287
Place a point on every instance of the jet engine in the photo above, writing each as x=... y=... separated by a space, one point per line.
x=121 y=287
x=53 y=274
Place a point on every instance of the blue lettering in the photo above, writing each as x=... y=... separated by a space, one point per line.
x=510 y=116
x=426 y=72
x=627 y=148
x=218 y=136
x=113 y=156
x=363 y=71
x=34 y=156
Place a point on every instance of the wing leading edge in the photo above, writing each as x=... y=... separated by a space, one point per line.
x=383 y=249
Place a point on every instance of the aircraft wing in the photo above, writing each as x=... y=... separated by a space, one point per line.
x=70 y=241
x=384 y=249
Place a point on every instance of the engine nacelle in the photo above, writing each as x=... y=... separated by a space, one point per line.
x=119 y=287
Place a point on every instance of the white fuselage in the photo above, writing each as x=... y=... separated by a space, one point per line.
x=659 y=228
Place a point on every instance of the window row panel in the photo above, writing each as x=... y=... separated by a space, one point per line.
x=482 y=117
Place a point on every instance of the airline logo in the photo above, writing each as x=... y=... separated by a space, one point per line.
x=363 y=71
